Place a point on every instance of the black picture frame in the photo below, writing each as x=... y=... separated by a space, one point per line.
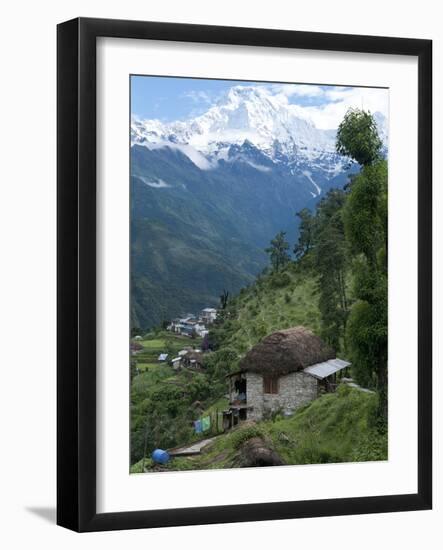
x=76 y=265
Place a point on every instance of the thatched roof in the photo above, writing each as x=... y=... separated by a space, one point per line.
x=286 y=351
x=196 y=356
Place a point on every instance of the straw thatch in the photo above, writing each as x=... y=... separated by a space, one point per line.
x=286 y=351
x=193 y=355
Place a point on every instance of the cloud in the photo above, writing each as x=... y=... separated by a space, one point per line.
x=199 y=96
x=325 y=106
x=339 y=100
x=298 y=90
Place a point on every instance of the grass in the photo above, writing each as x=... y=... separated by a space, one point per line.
x=164 y=342
x=266 y=307
x=147 y=366
x=337 y=427
x=156 y=343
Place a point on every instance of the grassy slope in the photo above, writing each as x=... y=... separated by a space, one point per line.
x=274 y=302
x=335 y=428
x=159 y=394
x=258 y=310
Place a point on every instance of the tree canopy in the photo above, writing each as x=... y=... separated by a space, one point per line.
x=357 y=137
x=278 y=251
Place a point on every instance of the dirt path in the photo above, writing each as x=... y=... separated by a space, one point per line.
x=193 y=449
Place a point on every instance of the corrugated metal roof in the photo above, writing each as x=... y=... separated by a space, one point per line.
x=322 y=370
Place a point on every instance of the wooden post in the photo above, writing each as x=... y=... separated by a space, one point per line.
x=144 y=446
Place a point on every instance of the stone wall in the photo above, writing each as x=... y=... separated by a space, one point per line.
x=295 y=389
x=254 y=395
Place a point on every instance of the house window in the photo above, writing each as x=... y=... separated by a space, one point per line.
x=270 y=384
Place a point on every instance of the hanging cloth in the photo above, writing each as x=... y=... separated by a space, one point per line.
x=206 y=423
x=198 y=426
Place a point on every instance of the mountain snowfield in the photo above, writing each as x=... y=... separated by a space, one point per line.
x=210 y=192
x=282 y=132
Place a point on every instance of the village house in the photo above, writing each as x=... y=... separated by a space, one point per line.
x=135 y=347
x=192 y=360
x=208 y=315
x=188 y=326
x=287 y=369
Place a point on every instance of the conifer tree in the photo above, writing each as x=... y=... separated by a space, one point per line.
x=278 y=251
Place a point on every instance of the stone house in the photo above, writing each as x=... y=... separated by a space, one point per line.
x=284 y=371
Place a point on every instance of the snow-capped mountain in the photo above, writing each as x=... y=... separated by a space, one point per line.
x=208 y=194
x=281 y=131
x=245 y=114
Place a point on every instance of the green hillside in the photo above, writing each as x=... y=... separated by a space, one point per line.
x=275 y=301
x=171 y=400
x=203 y=231
x=337 y=427
x=336 y=286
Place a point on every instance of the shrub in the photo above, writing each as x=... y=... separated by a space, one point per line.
x=242 y=435
x=279 y=280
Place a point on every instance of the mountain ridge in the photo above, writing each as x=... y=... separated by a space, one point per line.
x=209 y=193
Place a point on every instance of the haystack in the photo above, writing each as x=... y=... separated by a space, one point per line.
x=255 y=452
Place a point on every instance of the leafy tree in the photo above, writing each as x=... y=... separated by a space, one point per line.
x=366 y=226
x=331 y=265
x=306 y=233
x=278 y=251
x=357 y=137
x=365 y=214
x=365 y=219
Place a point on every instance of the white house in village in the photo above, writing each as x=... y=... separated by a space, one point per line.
x=208 y=315
x=284 y=371
x=188 y=326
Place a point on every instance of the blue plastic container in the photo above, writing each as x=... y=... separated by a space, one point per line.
x=160 y=456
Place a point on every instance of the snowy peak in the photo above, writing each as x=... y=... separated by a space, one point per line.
x=245 y=113
x=249 y=115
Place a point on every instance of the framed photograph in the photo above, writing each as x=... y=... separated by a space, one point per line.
x=244 y=274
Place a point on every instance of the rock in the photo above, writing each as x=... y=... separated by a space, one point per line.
x=256 y=452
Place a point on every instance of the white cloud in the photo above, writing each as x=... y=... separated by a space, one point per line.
x=332 y=102
x=193 y=155
x=199 y=96
x=300 y=90
x=339 y=100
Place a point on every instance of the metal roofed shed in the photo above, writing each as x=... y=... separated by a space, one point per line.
x=325 y=369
